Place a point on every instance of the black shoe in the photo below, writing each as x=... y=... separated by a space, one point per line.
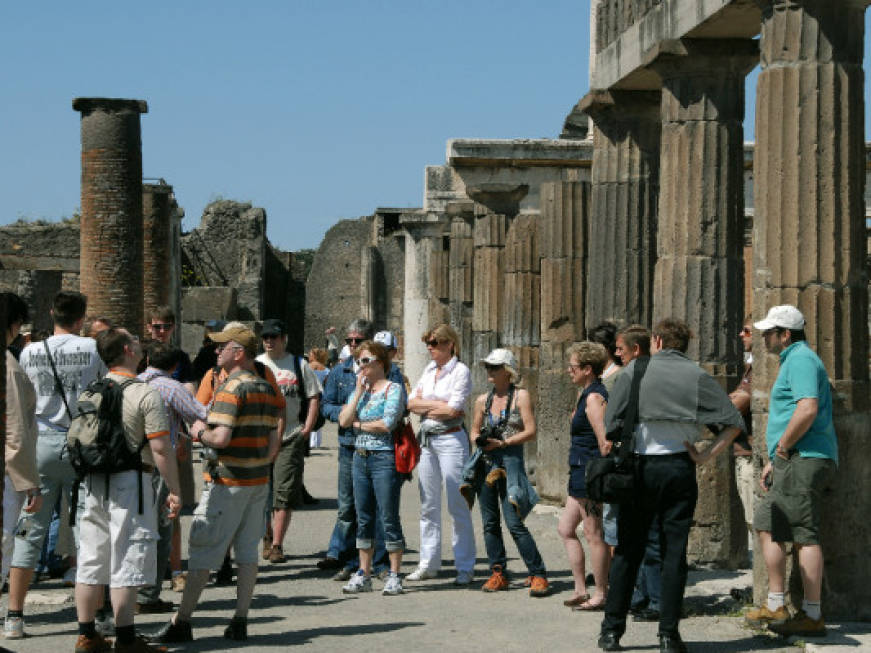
x=671 y=644
x=609 y=641
x=329 y=563
x=173 y=633
x=155 y=607
x=225 y=574
x=238 y=629
x=646 y=614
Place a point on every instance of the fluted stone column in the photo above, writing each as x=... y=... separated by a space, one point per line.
x=699 y=274
x=565 y=213
x=158 y=213
x=461 y=273
x=625 y=176
x=419 y=251
x=809 y=250
x=111 y=224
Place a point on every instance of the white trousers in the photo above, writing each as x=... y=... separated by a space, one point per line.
x=441 y=463
x=12 y=503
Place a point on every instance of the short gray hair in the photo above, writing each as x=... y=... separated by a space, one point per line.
x=363 y=327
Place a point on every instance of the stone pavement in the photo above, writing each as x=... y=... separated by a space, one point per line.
x=296 y=604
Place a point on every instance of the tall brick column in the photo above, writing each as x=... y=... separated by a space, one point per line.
x=565 y=215
x=810 y=249
x=111 y=226
x=158 y=213
x=699 y=274
x=625 y=176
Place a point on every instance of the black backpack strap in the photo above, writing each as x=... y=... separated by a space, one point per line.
x=627 y=439
x=57 y=384
x=303 y=404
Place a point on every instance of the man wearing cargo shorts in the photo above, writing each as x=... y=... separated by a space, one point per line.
x=240 y=442
x=803 y=454
x=118 y=527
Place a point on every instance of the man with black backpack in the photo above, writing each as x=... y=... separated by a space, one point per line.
x=302 y=391
x=59 y=368
x=118 y=527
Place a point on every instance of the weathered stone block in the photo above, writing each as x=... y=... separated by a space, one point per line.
x=556 y=401
x=562 y=299
x=488 y=288
x=202 y=303
x=490 y=230
x=439 y=274
x=521 y=245
x=521 y=309
x=563 y=224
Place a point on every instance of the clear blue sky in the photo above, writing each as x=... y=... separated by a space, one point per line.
x=316 y=110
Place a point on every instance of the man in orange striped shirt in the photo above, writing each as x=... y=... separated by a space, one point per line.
x=242 y=432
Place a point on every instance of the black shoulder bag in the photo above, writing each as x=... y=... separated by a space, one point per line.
x=611 y=479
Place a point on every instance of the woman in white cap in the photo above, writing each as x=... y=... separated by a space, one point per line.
x=440 y=398
x=502 y=422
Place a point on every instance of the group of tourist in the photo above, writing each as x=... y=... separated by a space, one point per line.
x=256 y=414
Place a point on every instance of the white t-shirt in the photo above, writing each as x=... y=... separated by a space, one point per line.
x=285 y=377
x=77 y=364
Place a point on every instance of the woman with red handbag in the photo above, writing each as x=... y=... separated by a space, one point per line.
x=374 y=410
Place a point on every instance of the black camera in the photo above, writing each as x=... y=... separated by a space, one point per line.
x=488 y=431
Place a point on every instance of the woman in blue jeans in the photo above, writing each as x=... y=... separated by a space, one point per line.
x=374 y=410
x=503 y=421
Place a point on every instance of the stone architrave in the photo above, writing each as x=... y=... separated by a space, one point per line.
x=699 y=274
x=809 y=250
x=158 y=214
x=625 y=188
x=111 y=223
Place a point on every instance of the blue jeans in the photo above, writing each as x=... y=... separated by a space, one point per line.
x=490 y=499
x=343 y=541
x=649 y=581
x=377 y=485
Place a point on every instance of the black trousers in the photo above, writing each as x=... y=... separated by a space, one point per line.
x=666 y=487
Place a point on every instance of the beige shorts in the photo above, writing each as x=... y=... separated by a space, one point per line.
x=744 y=482
x=227 y=515
x=117 y=544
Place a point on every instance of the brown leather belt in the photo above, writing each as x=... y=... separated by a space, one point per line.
x=453 y=430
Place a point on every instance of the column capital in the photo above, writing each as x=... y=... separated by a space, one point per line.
x=87 y=105
x=498 y=198
x=599 y=104
x=677 y=58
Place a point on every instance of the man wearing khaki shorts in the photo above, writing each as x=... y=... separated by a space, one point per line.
x=803 y=454
x=240 y=442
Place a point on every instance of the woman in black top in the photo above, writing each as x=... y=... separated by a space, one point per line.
x=586 y=362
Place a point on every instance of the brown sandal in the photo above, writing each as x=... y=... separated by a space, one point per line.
x=570 y=603
x=586 y=606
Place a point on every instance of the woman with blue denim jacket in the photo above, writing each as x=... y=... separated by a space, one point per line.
x=503 y=421
x=374 y=410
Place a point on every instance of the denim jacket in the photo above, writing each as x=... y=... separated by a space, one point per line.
x=340 y=385
x=520 y=492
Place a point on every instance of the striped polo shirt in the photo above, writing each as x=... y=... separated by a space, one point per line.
x=248 y=405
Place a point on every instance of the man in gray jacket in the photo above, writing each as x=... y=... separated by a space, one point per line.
x=676 y=400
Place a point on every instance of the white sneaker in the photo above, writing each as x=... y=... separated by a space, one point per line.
x=392 y=586
x=13 y=628
x=70 y=577
x=464 y=578
x=359 y=582
x=421 y=573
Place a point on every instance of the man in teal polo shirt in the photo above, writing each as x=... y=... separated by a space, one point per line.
x=803 y=456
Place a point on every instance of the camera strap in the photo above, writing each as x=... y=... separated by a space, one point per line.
x=503 y=418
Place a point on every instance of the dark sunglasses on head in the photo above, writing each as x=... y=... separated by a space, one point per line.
x=162 y=326
x=365 y=360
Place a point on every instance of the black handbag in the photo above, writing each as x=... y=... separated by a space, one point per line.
x=611 y=479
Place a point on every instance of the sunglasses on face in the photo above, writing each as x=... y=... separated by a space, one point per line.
x=492 y=368
x=365 y=360
x=271 y=336
x=353 y=341
x=162 y=326
x=745 y=331
x=434 y=342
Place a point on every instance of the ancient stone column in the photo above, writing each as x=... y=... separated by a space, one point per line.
x=111 y=225
x=699 y=274
x=419 y=243
x=460 y=272
x=158 y=213
x=625 y=177
x=809 y=250
x=565 y=212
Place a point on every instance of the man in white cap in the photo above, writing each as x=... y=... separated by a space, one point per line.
x=803 y=455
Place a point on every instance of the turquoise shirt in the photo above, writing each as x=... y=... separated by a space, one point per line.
x=802 y=376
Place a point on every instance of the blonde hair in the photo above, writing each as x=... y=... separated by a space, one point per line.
x=443 y=333
x=589 y=353
x=319 y=355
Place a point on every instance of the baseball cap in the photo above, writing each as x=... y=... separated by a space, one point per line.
x=502 y=357
x=273 y=327
x=243 y=335
x=385 y=338
x=784 y=316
